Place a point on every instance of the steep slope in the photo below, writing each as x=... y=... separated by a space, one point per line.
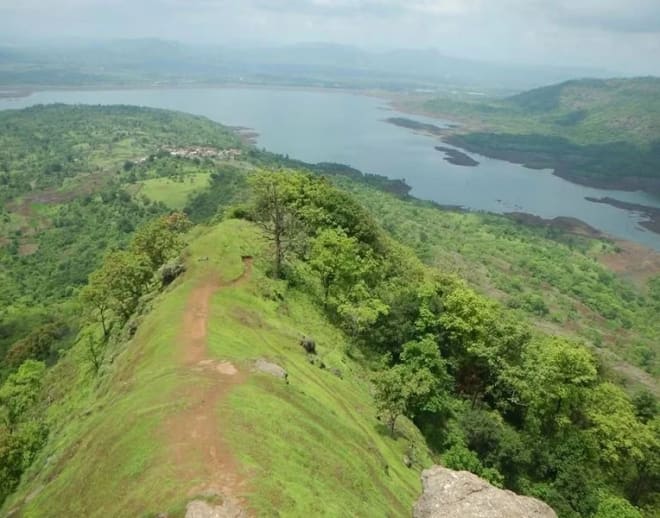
x=561 y=281
x=76 y=181
x=184 y=413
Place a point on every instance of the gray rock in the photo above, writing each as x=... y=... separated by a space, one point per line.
x=270 y=368
x=461 y=494
x=202 y=509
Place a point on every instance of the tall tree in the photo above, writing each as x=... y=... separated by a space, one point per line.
x=96 y=300
x=336 y=259
x=20 y=392
x=274 y=212
x=123 y=276
x=418 y=384
x=160 y=239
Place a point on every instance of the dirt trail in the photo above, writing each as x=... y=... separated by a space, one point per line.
x=197 y=446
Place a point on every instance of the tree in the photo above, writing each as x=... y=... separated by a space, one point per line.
x=160 y=239
x=37 y=345
x=497 y=444
x=23 y=431
x=418 y=384
x=554 y=384
x=643 y=487
x=481 y=342
x=123 y=277
x=614 y=428
x=611 y=506
x=18 y=449
x=359 y=309
x=391 y=395
x=94 y=352
x=427 y=378
x=96 y=298
x=21 y=391
x=275 y=213
x=646 y=405
x=335 y=258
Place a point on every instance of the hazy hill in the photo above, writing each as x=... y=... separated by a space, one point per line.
x=600 y=132
x=596 y=111
x=316 y=64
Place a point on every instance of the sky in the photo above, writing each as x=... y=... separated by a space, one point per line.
x=618 y=35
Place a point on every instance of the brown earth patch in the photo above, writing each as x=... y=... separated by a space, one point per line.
x=28 y=248
x=86 y=184
x=632 y=261
x=247 y=318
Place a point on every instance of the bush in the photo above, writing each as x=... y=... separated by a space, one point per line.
x=170 y=271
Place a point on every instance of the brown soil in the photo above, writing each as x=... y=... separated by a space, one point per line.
x=28 y=249
x=634 y=262
x=197 y=448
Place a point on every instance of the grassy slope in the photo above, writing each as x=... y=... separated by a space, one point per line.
x=583 y=111
x=174 y=194
x=111 y=459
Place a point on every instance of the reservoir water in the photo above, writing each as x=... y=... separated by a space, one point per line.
x=328 y=126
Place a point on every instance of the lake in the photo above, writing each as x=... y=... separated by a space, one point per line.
x=327 y=126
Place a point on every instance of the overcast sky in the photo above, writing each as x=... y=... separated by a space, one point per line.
x=619 y=35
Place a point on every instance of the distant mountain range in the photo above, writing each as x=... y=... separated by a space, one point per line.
x=326 y=65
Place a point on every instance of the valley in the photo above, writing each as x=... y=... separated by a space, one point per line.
x=143 y=292
x=324 y=126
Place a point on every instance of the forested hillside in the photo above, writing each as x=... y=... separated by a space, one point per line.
x=593 y=131
x=70 y=190
x=295 y=338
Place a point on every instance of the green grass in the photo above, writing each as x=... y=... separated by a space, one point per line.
x=173 y=192
x=312 y=447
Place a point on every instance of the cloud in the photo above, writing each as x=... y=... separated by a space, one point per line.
x=613 y=33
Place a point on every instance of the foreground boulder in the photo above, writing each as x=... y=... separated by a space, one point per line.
x=450 y=494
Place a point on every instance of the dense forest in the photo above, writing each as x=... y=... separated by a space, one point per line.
x=498 y=342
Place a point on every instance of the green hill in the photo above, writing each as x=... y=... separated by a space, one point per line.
x=600 y=132
x=156 y=375
x=169 y=424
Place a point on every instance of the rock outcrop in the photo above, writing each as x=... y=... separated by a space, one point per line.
x=460 y=494
x=203 y=509
x=271 y=368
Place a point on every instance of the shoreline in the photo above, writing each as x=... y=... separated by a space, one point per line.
x=21 y=91
x=456 y=157
x=392 y=100
x=652 y=213
x=15 y=94
x=628 y=183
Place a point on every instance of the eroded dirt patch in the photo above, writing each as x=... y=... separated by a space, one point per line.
x=634 y=262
